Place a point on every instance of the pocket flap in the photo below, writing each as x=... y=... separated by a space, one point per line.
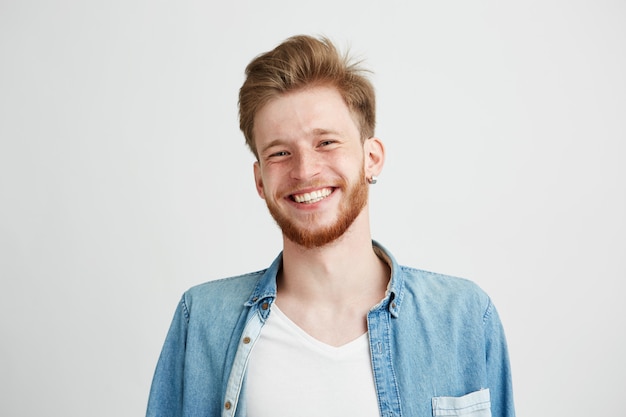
x=474 y=404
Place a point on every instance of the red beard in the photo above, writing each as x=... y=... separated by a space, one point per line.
x=349 y=209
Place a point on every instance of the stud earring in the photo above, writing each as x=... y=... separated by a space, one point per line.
x=372 y=180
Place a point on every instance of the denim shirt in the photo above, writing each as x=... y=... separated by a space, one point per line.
x=437 y=347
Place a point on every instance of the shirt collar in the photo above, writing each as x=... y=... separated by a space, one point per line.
x=265 y=290
x=395 y=288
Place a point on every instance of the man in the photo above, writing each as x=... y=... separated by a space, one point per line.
x=335 y=326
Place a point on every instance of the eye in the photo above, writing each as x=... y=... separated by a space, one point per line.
x=326 y=142
x=277 y=154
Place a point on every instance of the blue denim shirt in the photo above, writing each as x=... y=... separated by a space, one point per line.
x=437 y=347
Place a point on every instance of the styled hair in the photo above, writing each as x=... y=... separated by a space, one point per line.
x=299 y=62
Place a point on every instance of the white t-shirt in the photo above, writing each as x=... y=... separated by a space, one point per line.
x=291 y=374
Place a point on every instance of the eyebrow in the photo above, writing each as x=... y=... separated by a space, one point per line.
x=320 y=132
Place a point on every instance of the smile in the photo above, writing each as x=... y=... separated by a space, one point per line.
x=312 y=197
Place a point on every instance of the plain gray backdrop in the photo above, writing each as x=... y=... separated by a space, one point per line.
x=124 y=179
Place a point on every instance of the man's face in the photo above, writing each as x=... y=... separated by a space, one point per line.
x=311 y=165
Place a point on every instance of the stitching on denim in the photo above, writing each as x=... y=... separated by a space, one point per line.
x=488 y=311
x=472 y=407
x=183 y=304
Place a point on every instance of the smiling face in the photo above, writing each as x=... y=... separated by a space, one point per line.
x=311 y=168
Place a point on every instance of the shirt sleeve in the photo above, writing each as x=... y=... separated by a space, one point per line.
x=166 y=393
x=498 y=367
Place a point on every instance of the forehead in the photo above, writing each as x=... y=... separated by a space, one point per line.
x=303 y=113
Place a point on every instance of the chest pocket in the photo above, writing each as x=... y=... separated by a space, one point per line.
x=474 y=404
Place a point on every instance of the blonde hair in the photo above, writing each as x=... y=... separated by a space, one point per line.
x=299 y=62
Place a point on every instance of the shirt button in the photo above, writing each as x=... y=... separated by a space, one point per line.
x=393 y=304
x=227 y=405
x=265 y=306
x=246 y=340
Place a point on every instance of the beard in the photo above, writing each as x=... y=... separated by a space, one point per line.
x=349 y=210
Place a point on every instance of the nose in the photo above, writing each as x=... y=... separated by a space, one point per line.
x=306 y=165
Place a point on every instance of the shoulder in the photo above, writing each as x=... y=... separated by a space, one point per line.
x=431 y=280
x=444 y=292
x=221 y=293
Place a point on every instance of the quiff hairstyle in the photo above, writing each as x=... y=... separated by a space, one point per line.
x=300 y=62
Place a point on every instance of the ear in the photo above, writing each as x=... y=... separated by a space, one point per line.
x=374 y=154
x=258 y=180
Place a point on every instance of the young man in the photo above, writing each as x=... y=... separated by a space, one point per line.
x=335 y=326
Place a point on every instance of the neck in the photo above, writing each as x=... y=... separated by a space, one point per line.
x=328 y=291
x=347 y=267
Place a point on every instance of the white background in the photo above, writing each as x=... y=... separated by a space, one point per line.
x=124 y=179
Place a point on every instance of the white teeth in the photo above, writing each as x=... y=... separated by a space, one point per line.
x=312 y=197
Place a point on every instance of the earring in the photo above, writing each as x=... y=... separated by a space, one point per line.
x=372 y=180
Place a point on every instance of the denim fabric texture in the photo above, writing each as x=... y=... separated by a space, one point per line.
x=437 y=347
